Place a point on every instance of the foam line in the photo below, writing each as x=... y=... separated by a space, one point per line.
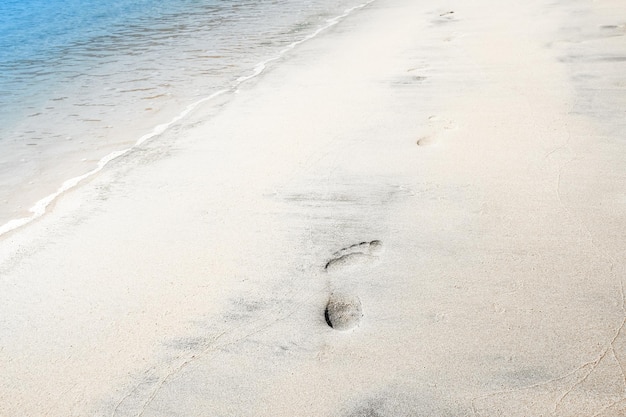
x=260 y=67
x=40 y=207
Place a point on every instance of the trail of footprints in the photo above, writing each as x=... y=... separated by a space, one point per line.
x=344 y=311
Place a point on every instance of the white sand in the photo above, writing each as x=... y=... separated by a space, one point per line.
x=190 y=278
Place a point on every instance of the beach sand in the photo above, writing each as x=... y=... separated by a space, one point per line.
x=420 y=212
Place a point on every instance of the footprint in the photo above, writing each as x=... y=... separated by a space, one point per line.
x=343 y=312
x=415 y=77
x=356 y=254
x=443 y=18
x=435 y=128
x=441 y=123
x=426 y=141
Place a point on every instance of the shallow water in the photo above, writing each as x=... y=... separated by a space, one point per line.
x=82 y=78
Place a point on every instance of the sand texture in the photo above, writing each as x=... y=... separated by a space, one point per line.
x=420 y=212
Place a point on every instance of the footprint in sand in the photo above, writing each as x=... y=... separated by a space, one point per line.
x=443 y=17
x=343 y=312
x=357 y=254
x=414 y=77
x=426 y=141
x=436 y=127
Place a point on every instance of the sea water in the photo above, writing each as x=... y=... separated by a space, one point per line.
x=81 y=81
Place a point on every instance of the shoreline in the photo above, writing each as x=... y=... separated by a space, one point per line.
x=40 y=207
x=436 y=231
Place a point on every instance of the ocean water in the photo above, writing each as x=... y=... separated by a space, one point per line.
x=81 y=81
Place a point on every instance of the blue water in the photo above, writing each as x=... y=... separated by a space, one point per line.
x=82 y=78
x=42 y=40
x=45 y=43
x=47 y=28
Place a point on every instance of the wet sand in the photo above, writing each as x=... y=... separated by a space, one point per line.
x=420 y=212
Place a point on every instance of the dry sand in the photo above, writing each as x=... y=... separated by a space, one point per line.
x=446 y=183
